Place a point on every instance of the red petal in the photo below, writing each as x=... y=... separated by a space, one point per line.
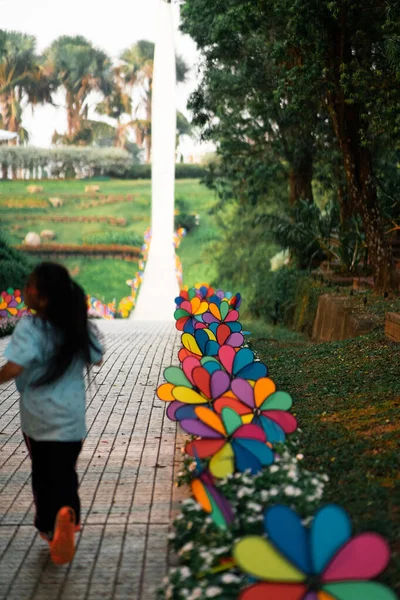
x=204 y=448
x=181 y=323
x=274 y=591
x=202 y=379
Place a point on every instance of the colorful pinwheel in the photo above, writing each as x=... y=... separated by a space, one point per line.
x=206 y=342
x=220 y=314
x=241 y=364
x=188 y=313
x=232 y=445
x=197 y=382
x=261 y=405
x=323 y=563
x=209 y=498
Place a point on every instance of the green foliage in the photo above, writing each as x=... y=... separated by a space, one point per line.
x=14 y=267
x=124 y=238
x=182 y=171
x=183 y=216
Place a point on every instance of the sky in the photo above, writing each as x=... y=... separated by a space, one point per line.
x=112 y=26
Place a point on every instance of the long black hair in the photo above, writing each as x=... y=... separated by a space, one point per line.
x=66 y=310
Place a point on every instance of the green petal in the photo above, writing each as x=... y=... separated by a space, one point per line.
x=179 y=313
x=277 y=401
x=176 y=376
x=360 y=590
x=224 y=309
x=231 y=420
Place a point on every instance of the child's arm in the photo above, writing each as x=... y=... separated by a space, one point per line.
x=10 y=371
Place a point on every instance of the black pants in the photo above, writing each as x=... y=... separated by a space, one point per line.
x=54 y=480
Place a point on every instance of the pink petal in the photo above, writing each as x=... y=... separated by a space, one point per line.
x=250 y=431
x=226 y=355
x=190 y=363
x=284 y=419
x=232 y=315
x=363 y=557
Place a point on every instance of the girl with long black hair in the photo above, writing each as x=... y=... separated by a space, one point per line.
x=47 y=356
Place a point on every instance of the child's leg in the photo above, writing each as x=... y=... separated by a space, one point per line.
x=54 y=480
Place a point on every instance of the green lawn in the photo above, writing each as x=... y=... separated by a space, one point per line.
x=347 y=401
x=106 y=278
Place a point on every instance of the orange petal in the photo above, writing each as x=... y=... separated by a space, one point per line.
x=210 y=418
x=263 y=388
x=214 y=310
x=200 y=494
x=164 y=392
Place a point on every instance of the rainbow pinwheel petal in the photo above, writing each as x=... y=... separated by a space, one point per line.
x=343 y=564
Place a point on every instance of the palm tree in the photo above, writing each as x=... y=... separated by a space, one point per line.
x=23 y=76
x=137 y=64
x=79 y=68
x=115 y=106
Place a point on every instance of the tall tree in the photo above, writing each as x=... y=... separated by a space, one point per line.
x=137 y=63
x=23 y=77
x=80 y=69
x=315 y=59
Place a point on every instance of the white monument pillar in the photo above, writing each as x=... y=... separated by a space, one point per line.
x=160 y=286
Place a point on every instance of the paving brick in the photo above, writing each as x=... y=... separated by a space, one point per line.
x=126 y=470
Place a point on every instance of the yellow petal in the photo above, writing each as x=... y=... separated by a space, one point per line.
x=258 y=557
x=222 y=463
x=187 y=395
x=190 y=344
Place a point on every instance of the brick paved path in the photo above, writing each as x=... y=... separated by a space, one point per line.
x=126 y=470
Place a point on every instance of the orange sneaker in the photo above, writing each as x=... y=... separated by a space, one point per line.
x=62 y=546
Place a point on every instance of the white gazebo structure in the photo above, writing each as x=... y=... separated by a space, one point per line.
x=160 y=286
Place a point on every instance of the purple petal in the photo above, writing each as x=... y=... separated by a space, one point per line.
x=209 y=318
x=235 y=340
x=222 y=503
x=243 y=390
x=172 y=408
x=220 y=382
x=311 y=596
x=195 y=427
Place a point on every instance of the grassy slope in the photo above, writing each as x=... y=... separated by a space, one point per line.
x=347 y=400
x=106 y=279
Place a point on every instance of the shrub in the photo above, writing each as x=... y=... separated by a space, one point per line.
x=114 y=237
x=182 y=171
x=184 y=218
x=14 y=267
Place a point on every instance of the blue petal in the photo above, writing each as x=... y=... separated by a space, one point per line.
x=285 y=530
x=261 y=450
x=234 y=326
x=243 y=358
x=188 y=326
x=330 y=530
x=211 y=348
x=273 y=431
x=213 y=327
x=245 y=459
x=253 y=372
x=211 y=367
x=186 y=412
x=201 y=338
x=179 y=300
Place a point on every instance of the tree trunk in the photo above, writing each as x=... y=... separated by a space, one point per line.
x=362 y=194
x=4 y=171
x=300 y=182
